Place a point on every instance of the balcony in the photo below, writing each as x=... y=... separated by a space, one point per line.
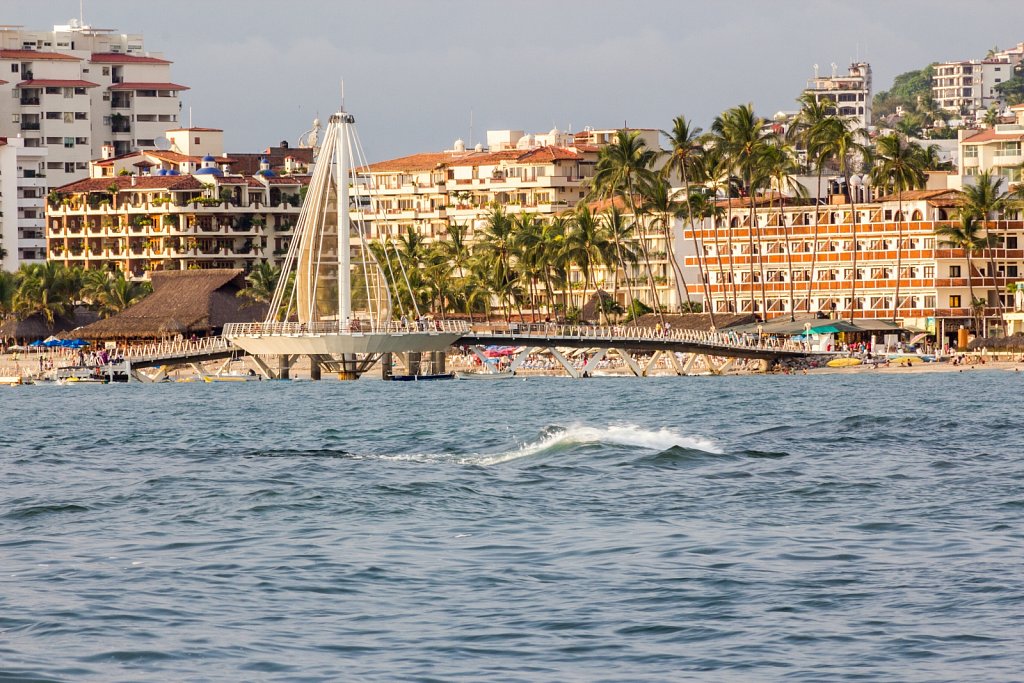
x=29 y=101
x=29 y=125
x=970 y=162
x=1008 y=159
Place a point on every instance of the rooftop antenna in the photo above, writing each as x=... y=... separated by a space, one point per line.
x=815 y=70
x=470 y=126
x=835 y=68
x=343 y=94
x=190 y=116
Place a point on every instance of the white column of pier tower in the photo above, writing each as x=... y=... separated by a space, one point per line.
x=304 y=320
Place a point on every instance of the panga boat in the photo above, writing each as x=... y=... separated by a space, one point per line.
x=422 y=378
x=484 y=375
x=232 y=378
x=844 y=362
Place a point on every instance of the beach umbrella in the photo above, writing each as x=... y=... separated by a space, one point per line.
x=53 y=342
x=37 y=344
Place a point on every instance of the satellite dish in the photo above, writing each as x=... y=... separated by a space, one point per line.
x=162 y=143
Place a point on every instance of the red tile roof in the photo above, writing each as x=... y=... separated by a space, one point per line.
x=414 y=162
x=992 y=134
x=196 y=129
x=550 y=154
x=118 y=58
x=34 y=54
x=149 y=86
x=56 y=83
x=142 y=183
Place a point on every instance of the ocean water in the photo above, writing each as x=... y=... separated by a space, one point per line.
x=804 y=528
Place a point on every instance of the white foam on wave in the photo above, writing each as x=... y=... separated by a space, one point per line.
x=573 y=435
x=618 y=435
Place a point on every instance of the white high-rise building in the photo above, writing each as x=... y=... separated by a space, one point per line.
x=76 y=89
x=849 y=95
x=22 y=204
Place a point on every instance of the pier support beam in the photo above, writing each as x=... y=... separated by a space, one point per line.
x=630 y=362
x=592 y=363
x=315 y=371
x=569 y=367
x=385 y=366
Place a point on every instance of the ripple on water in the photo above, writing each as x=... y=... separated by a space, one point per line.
x=730 y=528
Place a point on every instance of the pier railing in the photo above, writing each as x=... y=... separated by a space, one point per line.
x=623 y=334
x=604 y=335
x=177 y=349
x=350 y=327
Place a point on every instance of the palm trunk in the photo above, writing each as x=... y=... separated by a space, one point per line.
x=995 y=278
x=970 y=293
x=853 y=211
x=814 y=246
x=732 y=269
x=789 y=262
x=698 y=248
x=760 y=259
x=676 y=268
x=899 y=257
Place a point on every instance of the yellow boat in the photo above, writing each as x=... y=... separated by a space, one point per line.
x=11 y=381
x=231 y=378
x=844 y=362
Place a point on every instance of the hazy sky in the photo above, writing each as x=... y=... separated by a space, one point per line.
x=414 y=70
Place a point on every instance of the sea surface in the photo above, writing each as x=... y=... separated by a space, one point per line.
x=798 y=528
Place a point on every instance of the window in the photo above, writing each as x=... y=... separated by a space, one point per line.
x=197 y=142
x=929 y=301
x=1011 y=242
x=1011 y=270
x=15 y=118
x=954 y=301
x=69 y=143
x=81 y=116
x=53 y=115
x=929 y=271
x=106 y=71
x=14 y=68
x=69 y=93
x=970 y=151
x=954 y=271
x=69 y=117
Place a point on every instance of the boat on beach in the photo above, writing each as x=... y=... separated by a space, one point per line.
x=422 y=378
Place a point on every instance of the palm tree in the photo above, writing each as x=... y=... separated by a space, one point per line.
x=623 y=168
x=494 y=251
x=810 y=130
x=617 y=250
x=965 y=235
x=49 y=289
x=841 y=141
x=581 y=247
x=8 y=289
x=782 y=167
x=527 y=234
x=660 y=201
x=122 y=293
x=742 y=137
x=261 y=282
x=981 y=200
x=899 y=165
x=716 y=177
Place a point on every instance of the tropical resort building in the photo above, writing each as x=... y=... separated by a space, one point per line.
x=77 y=88
x=849 y=95
x=545 y=174
x=22 y=204
x=997 y=150
x=844 y=263
x=178 y=209
x=968 y=87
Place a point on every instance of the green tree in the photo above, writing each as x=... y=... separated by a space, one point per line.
x=622 y=170
x=743 y=138
x=983 y=200
x=782 y=168
x=685 y=155
x=899 y=166
x=967 y=236
x=261 y=282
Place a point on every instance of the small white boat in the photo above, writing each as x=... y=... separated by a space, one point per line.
x=484 y=375
x=11 y=380
x=232 y=378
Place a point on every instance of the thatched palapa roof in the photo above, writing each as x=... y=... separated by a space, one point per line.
x=36 y=326
x=183 y=302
